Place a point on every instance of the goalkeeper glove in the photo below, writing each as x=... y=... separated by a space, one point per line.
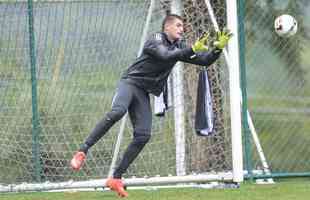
x=201 y=44
x=222 y=38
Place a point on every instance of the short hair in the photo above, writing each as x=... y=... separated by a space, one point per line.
x=169 y=18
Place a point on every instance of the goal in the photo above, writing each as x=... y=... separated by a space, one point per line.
x=58 y=83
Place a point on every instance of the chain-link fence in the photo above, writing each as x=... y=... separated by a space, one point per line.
x=278 y=81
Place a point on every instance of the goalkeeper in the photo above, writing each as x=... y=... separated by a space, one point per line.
x=148 y=75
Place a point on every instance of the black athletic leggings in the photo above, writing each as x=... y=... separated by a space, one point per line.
x=136 y=101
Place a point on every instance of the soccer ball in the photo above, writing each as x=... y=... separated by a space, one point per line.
x=285 y=25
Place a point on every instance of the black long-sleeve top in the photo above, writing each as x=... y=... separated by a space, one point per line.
x=150 y=71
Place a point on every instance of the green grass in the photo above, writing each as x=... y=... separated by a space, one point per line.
x=290 y=190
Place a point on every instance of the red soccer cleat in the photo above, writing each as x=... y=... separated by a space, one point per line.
x=78 y=160
x=117 y=185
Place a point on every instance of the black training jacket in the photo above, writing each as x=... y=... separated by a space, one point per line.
x=150 y=71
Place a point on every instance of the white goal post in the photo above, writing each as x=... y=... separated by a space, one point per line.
x=232 y=60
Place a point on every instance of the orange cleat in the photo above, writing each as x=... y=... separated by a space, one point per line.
x=117 y=185
x=78 y=160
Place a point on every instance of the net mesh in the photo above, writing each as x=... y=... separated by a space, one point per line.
x=81 y=50
x=216 y=148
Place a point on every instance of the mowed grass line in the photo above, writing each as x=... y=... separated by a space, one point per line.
x=279 y=191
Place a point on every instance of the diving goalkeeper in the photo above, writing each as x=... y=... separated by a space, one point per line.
x=148 y=75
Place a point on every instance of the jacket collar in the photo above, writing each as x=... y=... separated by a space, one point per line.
x=166 y=38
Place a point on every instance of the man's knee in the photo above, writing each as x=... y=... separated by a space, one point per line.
x=141 y=140
x=116 y=113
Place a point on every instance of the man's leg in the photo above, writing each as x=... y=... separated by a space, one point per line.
x=140 y=114
x=120 y=104
x=141 y=117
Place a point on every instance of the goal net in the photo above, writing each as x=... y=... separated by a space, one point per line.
x=81 y=48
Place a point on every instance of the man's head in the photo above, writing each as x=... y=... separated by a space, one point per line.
x=173 y=27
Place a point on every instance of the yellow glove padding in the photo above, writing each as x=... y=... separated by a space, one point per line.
x=222 y=38
x=201 y=44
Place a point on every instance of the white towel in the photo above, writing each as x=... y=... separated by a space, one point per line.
x=159 y=105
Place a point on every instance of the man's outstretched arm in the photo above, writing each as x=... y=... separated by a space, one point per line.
x=203 y=58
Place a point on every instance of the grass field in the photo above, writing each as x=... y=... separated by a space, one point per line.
x=288 y=190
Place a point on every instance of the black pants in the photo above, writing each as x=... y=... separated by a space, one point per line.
x=136 y=101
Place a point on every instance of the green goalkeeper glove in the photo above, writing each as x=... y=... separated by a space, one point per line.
x=201 y=44
x=222 y=38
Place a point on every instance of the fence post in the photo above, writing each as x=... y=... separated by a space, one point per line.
x=245 y=127
x=34 y=98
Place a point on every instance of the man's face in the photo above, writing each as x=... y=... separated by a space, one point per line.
x=174 y=29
